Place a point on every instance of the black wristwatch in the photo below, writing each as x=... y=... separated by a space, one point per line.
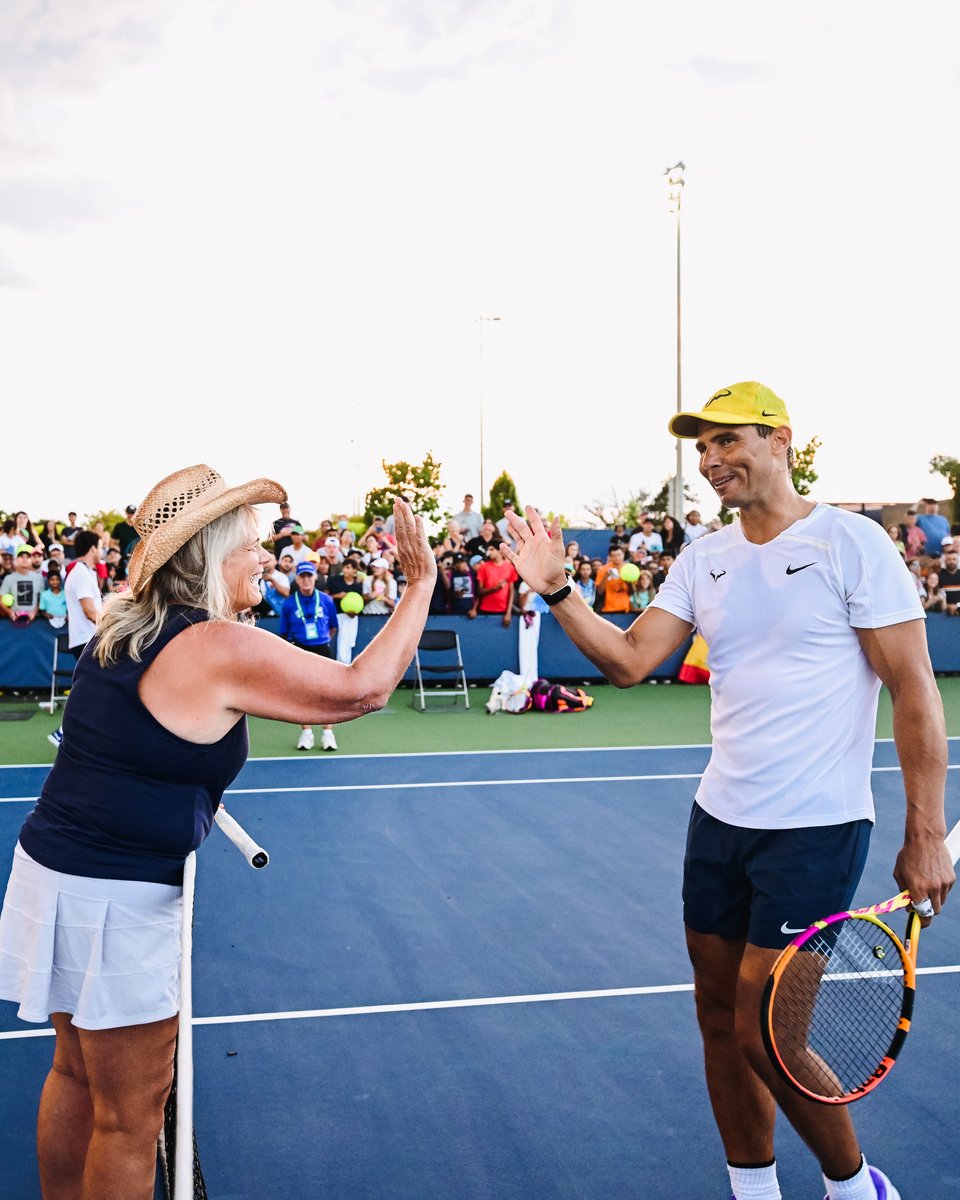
x=553 y=598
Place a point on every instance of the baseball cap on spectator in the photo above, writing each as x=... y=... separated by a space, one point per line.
x=332 y=541
x=24 y=550
x=477 y=558
x=946 y=543
x=306 y=567
x=380 y=562
x=293 y=528
x=54 y=546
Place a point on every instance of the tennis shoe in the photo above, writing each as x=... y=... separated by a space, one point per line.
x=327 y=740
x=55 y=738
x=305 y=740
x=885 y=1189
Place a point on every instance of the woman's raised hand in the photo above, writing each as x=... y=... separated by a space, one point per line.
x=413 y=550
x=539 y=553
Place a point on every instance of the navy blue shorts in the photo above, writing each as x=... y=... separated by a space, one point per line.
x=768 y=885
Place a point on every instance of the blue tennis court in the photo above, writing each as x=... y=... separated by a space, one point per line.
x=463 y=976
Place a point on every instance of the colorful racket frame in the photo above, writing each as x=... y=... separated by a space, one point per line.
x=908 y=959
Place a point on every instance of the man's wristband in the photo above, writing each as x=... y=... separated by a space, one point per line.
x=553 y=598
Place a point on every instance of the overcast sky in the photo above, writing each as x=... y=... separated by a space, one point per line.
x=261 y=236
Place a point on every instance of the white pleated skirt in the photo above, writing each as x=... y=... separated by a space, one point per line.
x=105 y=950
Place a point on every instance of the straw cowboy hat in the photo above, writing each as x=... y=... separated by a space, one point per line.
x=179 y=506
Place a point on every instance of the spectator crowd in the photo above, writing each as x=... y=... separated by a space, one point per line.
x=361 y=576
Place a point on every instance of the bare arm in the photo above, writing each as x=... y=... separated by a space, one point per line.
x=211 y=672
x=624 y=656
x=899 y=655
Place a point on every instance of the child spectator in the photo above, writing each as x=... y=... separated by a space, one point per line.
x=893 y=532
x=584 y=582
x=53 y=601
x=379 y=589
x=461 y=586
x=496 y=579
x=613 y=593
x=642 y=592
x=934 y=598
x=24 y=585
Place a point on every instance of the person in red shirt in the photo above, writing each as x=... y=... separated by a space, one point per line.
x=496 y=580
x=613 y=593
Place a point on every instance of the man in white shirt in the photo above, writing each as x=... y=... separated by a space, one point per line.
x=694 y=527
x=84 y=601
x=805 y=608
x=646 y=538
x=469 y=520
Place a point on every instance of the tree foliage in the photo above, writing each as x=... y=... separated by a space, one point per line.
x=802 y=472
x=503 y=488
x=419 y=485
x=109 y=517
x=659 y=505
x=949 y=468
x=610 y=511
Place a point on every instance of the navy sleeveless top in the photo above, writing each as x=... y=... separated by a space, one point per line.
x=126 y=798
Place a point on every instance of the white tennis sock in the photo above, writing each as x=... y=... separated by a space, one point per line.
x=754 y=1183
x=857 y=1187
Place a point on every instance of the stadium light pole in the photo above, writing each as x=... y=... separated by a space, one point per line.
x=480 y=323
x=674 y=176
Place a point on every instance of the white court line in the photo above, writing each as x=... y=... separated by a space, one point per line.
x=455 y=783
x=467 y=753
x=307 y=1014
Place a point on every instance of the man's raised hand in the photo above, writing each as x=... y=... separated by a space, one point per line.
x=538 y=557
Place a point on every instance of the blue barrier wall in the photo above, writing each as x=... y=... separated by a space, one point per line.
x=488 y=648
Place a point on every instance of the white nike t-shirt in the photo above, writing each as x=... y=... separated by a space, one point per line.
x=794 y=698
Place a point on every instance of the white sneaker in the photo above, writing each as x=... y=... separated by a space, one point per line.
x=327 y=740
x=305 y=740
x=55 y=738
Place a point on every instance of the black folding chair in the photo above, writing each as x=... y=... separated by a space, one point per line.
x=61 y=673
x=445 y=643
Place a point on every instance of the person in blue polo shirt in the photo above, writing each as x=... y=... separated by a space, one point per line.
x=308 y=618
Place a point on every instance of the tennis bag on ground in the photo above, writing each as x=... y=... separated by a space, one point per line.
x=555 y=697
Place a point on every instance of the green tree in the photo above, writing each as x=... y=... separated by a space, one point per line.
x=503 y=488
x=419 y=485
x=610 y=511
x=109 y=517
x=949 y=468
x=802 y=472
x=659 y=506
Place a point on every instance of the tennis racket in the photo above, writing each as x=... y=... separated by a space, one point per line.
x=180 y=1173
x=838 y=1004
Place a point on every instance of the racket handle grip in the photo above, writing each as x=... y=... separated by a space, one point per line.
x=255 y=855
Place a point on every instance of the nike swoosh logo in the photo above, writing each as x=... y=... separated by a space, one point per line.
x=794 y=570
x=764 y=413
x=785 y=928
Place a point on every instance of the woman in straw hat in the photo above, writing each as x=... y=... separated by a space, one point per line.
x=153 y=733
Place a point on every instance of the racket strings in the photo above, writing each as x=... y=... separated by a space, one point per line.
x=837 y=1006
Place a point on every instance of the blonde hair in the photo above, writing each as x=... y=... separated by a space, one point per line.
x=193 y=577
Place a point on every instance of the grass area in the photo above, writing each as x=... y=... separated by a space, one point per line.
x=649 y=715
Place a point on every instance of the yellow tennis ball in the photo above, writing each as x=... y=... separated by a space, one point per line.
x=8 y=600
x=630 y=572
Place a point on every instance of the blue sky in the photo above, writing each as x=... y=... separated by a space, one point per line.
x=261 y=236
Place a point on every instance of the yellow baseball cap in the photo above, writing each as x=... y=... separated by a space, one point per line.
x=739 y=404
